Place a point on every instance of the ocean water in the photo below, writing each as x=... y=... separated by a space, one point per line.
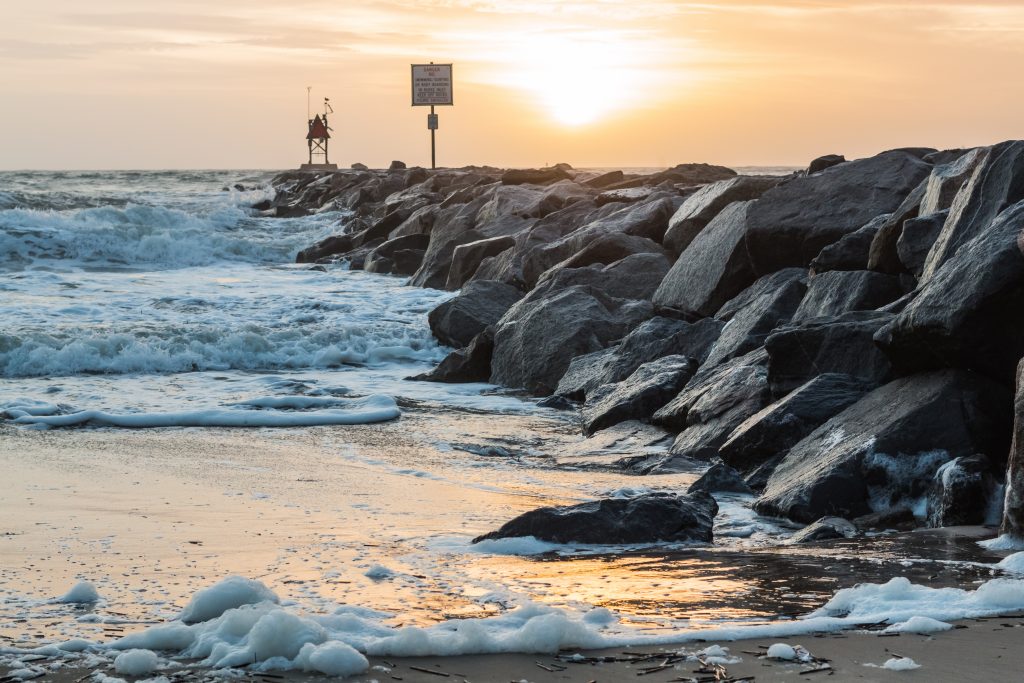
x=163 y=291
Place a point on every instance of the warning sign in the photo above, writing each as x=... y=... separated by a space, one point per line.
x=431 y=85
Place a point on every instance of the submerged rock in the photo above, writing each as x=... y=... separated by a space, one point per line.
x=825 y=529
x=471 y=364
x=650 y=518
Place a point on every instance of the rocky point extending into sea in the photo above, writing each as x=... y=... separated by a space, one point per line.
x=844 y=340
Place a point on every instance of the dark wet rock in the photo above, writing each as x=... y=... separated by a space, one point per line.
x=625 y=193
x=331 y=246
x=556 y=402
x=885 y=448
x=766 y=304
x=419 y=222
x=997 y=181
x=586 y=373
x=792 y=222
x=916 y=240
x=693 y=174
x=638 y=396
x=396 y=166
x=605 y=179
x=900 y=517
x=714 y=268
x=970 y=313
x=713 y=404
x=471 y=364
x=757 y=478
x=825 y=529
x=359 y=167
x=771 y=432
x=961 y=493
x=660 y=337
x=837 y=292
x=826 y=161
x=1013 y=510
x=853 y=251
x=534 y=176
x=633 y=277
x=400 y=256
x=720 y=478
x=317 y=269
x=653 y=339
x=479 y=305
x=648 y=218
x=580 y=250
x=699 y=208
x=947 y=179
x=845 y=344
x=884 y=255
x=535 y=341
x=467 y=258
x=650 y=518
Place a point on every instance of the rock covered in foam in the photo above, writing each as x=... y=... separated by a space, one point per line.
x=136 y=662
x=234 y=591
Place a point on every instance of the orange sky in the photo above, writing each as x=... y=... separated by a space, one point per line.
x=222 y=84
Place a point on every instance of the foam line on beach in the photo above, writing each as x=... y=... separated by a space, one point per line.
x=366 y=410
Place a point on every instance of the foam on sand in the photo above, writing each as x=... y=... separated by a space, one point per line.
x=136 y=662
x=271 y=636
x=234 y=591
x=376 y=408
x=82 y=592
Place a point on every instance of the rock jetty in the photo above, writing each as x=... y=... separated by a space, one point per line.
x=844 y=341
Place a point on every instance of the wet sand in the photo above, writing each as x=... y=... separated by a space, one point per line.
x=151 y=516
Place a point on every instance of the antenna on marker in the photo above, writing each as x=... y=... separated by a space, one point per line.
x=309 y=112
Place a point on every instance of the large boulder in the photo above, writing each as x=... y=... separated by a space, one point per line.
x=801 y=351
x=946 y=179
x=399 y=256
x=466 y=258
x=997 y=181
x=634 y=277
x=970 y=313
x=772 y=431
x=535 y=341
x=766 y=304
x=841 y=291
x=1013 y=504
x=720 y=478
x=916 y=240
x=713 y=404
x=654 y=339
x=714 y=268
x=852 y=251
x=823 y=162
x=582 y=248
x=699 y=208
x=884 y=255
x=650 y=518
x=792 y=222
x=638 y=396
x=885 y=448
x=471 y=364
x=534 y=176
x=961 y=492
x=329 y=246
x=479 y=305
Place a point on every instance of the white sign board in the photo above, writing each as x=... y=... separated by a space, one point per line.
x=431 y=85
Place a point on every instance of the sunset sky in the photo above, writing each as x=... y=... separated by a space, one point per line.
x=201 y=84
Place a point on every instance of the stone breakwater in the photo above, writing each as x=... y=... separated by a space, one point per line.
x=843 y=341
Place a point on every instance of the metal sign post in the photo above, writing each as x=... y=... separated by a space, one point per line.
x=432 y=87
